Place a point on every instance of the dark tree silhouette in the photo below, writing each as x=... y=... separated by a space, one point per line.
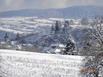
x=17 y=36
x=57 y=26
x=69 y=48
x=52 y=28
x=6 y=37
x=65 y=28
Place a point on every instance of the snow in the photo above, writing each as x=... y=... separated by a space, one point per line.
x=23 y=24
x=30 y=24
x=36 y=30
x=30 y=64
x=57 y=50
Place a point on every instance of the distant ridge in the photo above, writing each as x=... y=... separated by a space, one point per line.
x=70 y=12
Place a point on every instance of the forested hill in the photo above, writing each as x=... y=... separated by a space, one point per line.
x=70 y=12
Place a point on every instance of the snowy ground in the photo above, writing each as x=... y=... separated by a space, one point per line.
x=29 y=24
x=27 y=64
x=23 y=24
x=37 y=31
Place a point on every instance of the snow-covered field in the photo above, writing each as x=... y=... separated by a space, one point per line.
x=29 y=24
x=23 y=24
x=27 y=64
x=38 y=31
x=32 y=25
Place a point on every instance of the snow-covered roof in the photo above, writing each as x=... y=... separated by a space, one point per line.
x=57 y=50
x=58 y=45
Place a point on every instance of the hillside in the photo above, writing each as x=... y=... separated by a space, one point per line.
x=70 y=12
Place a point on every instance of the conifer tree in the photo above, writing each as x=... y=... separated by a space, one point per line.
x=6 y=37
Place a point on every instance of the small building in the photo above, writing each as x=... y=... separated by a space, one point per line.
x=56 y=48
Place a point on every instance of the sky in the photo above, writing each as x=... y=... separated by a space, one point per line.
x=6 y=5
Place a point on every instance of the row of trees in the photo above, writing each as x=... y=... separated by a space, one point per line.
x=60 y=27
x=63 y=29
x=7 y=38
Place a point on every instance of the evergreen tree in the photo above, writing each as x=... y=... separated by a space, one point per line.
x=66 y=26
x=22 y=41
x=69 y=48
x=57 y=26
x=84 y=21
x=17 y=36
x=52 y=29
x=71 y=22
x=6 y=37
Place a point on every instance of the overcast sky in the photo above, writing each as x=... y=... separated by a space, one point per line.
x=44 y=4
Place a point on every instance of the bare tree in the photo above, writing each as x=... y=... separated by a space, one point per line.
x=93 y=40
x=97 y=31
x=95 y=57
x=92 y=65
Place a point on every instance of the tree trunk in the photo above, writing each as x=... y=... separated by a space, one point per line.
x=96 y=74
